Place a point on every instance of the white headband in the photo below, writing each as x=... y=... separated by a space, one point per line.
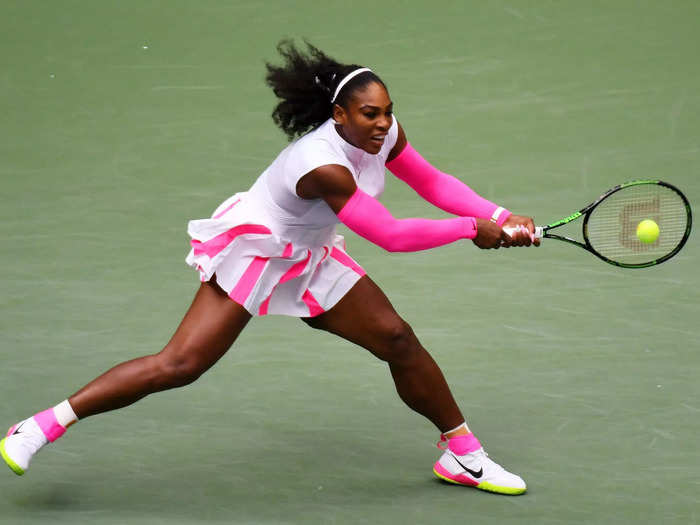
x=347 y=79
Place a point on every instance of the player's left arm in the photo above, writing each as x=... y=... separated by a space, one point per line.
x=448 y=192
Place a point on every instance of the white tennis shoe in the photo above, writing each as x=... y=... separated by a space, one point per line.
x=464 y=462
x=23 y=440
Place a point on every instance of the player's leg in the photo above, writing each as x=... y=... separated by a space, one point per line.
x=365 y=317
x=206 y=332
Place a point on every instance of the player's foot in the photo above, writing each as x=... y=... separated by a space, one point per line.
x=465 y=463
x=22 y=441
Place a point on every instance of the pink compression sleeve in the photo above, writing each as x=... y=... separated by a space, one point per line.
x=444 y=191
x=367 y=217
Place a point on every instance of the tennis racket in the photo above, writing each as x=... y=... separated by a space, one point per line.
x=610 y=224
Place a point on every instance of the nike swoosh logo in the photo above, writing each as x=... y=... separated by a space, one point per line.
x=472 y=472
x=18 y=432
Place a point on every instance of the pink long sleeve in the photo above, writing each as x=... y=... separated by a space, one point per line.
x=442 y=190
x=367 y=217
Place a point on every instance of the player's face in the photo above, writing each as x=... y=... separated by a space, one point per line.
x=367 y=119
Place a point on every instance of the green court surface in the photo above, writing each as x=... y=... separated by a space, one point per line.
x=123 y=120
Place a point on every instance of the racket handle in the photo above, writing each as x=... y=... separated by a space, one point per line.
x=511 y=230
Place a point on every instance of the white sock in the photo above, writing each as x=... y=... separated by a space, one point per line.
x=64 y=414
x=457 y=428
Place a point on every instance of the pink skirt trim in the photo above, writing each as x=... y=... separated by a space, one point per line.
x=247 y=282
x=213 y=246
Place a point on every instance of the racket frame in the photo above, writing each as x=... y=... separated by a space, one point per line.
x=543 y=231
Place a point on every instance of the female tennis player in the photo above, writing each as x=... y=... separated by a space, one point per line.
x=274 y=250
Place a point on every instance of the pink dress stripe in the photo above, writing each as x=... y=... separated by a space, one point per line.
x=221 y=214
x=345 y=260
x=295 y=271
x=214 y=245
x=247 y=282
x=314 y=308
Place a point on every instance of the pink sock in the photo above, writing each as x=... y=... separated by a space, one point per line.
x=54 y=421
x=48 y=424
x=464 y=444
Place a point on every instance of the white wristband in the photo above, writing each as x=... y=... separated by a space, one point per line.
x=497 y=214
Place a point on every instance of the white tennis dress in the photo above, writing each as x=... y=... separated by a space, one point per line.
x=276 y=253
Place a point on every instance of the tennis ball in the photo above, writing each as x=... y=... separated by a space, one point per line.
x=647 y=231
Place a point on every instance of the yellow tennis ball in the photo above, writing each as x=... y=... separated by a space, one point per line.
x=647 y=231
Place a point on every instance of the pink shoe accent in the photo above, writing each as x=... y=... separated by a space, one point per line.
x=220 y=214
x=462 y=479
x=12 y=429
x=247 y=282
x=462 y=445
x=344 y=259
x=288 y=251
x=214 y=245
x=314 y=308
x=49 y=425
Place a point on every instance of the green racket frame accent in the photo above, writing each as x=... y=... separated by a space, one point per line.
x=586 y=213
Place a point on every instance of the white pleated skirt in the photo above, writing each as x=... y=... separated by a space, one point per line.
x=268 y=272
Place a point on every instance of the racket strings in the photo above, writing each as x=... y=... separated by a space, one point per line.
x=612 y=225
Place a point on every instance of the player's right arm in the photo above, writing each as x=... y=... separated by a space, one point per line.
x=448 y=192
x=367 y=217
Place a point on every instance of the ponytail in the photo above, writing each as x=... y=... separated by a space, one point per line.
x=305 y=85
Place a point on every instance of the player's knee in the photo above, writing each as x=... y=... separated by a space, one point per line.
x=176 y=369
x=400 y=343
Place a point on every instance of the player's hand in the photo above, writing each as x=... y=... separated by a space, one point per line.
x=525 y=236
x=490 y=235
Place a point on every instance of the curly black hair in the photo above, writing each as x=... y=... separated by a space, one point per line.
x=305 y=83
